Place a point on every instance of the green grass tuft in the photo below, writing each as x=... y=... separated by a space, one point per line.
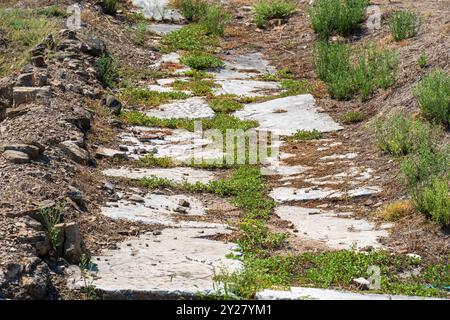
x=144 y=97
x=352 y=117
x=266 y=10
x=404 y=24
x=306 y=135
x=106 y=67
x=193 y=37
x=201 y=61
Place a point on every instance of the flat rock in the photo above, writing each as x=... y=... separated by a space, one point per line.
x=244 y=66
x=336 y=230
x=299 y=113
x=30 y=150
x=299 y=293
x=158 y=10
x=163 y=29
x=191 y=108
x=284 y=194
x=179 y=145
x=16 y=156
x=74 y=152
x=22 y=95
x=103 y=152
x=246 y=88
x=178 y=174
x=154 y=209
x=179 y=262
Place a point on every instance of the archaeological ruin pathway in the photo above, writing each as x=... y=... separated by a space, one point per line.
x=182 y=259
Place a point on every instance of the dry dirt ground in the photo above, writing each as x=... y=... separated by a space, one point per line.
x=24 y=188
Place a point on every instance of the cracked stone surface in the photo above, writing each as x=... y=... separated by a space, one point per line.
x=163 y=29
x=246 y=88
x=298 y=113
x=337 y=230
x=284 y=194
x=158 y=10
x=178 y=262
x=299 y=293
x=178 y=174
x=154 y=208
x=191 y=108
x=243 y=67
x=179 y=144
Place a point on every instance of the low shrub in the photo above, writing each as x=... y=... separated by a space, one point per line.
x=106 y=66
x=193 y=10
x=423 y=60
x=327 y=16
x=193 y=37
x=201 y=61
x=266 y=10
x=352 y=117
x=110 y=6
x=433 y=96
x=215 y=19
x=404 y=24
x=399 y=135
x=305 y=135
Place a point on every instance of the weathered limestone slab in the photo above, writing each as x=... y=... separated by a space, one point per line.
x=178 y=174
x=158 y=10
x=179 y=262
x=163 y=28
x=191 y=108
x=352 y=176
x=340 y=156
x=285 y=116
x=337 y=230
x=22 y=95
x=299 y=293
x=245 y=88
x=244 y=66
x=180 y=145
x=284 y=194
x=154 y=208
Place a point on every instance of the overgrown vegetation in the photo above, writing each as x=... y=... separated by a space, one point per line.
x=138 y=33
x=305 y=135
x=51 y=216
x=193 y=37
x=201 y=61
x=404 y=24
x=375 y=68
x=398 y=134
x=225 y=103
x=110 y=6
x=52 y=11
x=328 y=16
x=197 y=87
x=221 y=121
x=20 y=31
x=212 y=16
x=144 y=97
x=433 y=96
x=106 y=66
x=266 y=10
x=295 y=87
x=351 y=117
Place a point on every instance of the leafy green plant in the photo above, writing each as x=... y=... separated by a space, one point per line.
x=404 y=24
x=215 y=19
x=352 y=117
x=193 y=37
x=399 y=135
x=149 y=160
x=375 y=68
x=266 y=10
x=423 y=60
x=51 y=216
x=106 y=66
x=197 y=87
x=193 y=10
x=305 y=135
x=87 y=268
x=433 y=96
x=138 y=33
x=433 y=199
x=110 y=6
x=225 y=104
x=327 y=16
x=140 y=96
x=201 y=61
x=295 y=87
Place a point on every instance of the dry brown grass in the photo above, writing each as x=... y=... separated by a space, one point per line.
x=397 y=210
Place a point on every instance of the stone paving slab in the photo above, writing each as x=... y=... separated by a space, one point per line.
x=284 y=194
x=178 y=174
x=299 y=293
x=162 y=29
x=245 y=88
x=191 y=108
x=154 y=208
x=285 y=116
x=337 y=230
x=244 y=66
x=179 y=262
